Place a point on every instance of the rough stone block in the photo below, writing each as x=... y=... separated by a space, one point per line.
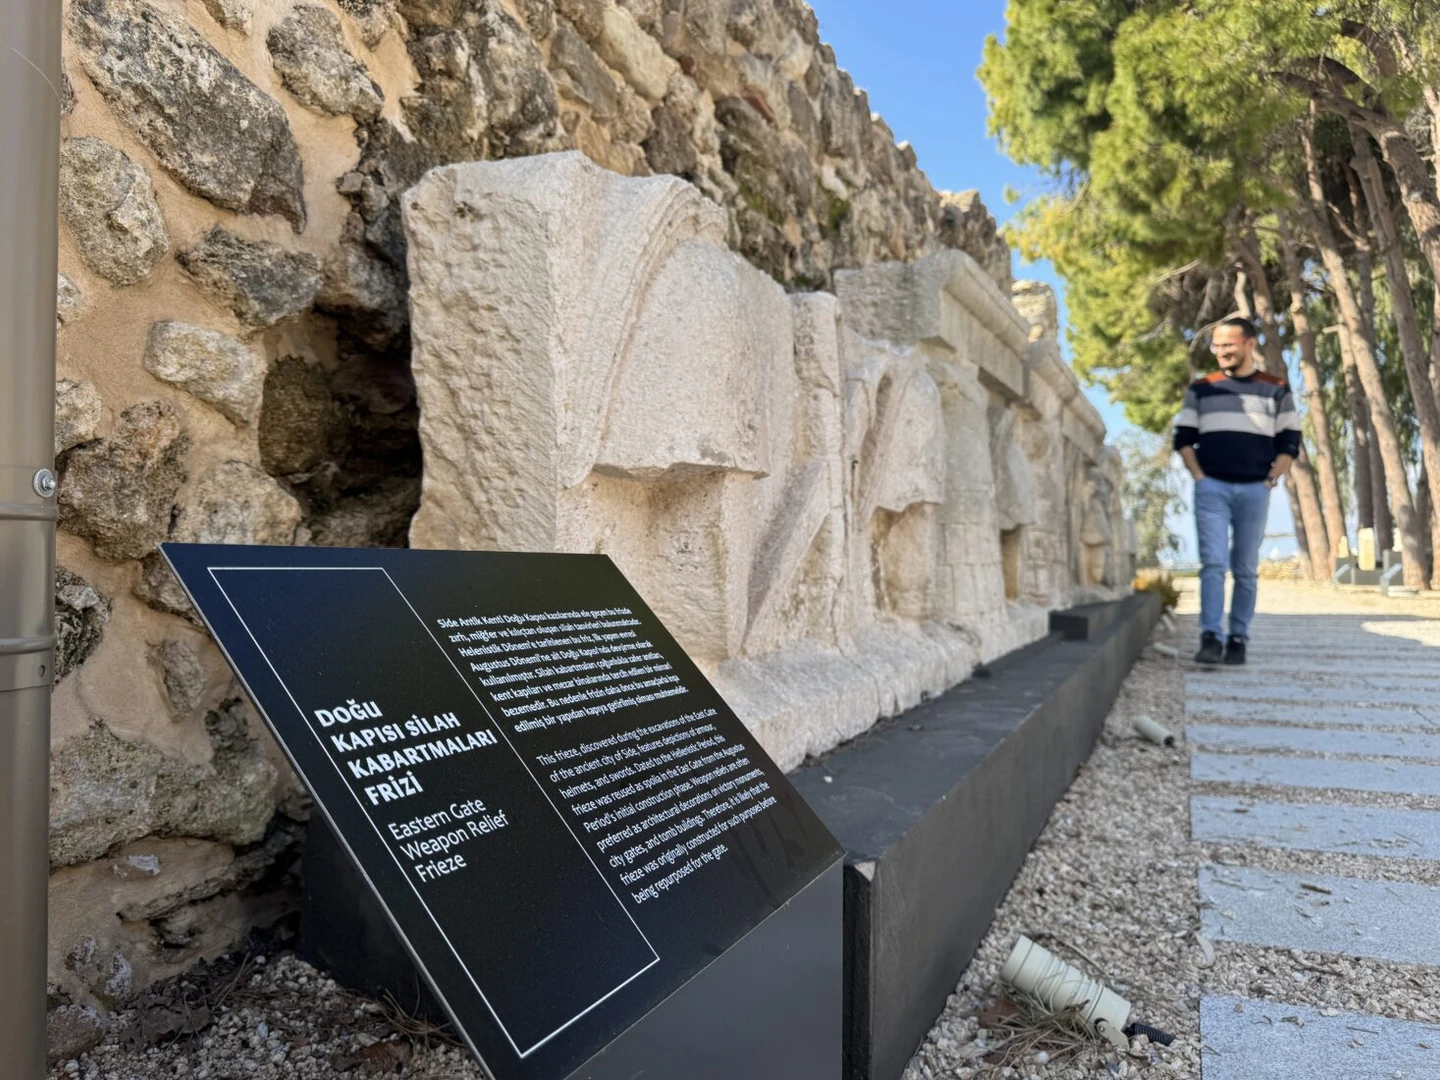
x=109 y=206
x=210 y=126
x=81 y=613
x=236 y=503
x=69 y=301
x=214 y=367
x=314 y=64
x=78 y=410
x=261 y=283
x=117 y=492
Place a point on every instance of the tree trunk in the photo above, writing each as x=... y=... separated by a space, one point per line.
x=1417 y=190
x=1302 y=483
x=1432 y=99
x=1407 y=323
x=1305 y=498
x=1359 y=410
x=1425 y=507
x=1392 y=457
x=1323 y=459
x=1302 y=541
x=1365 y=297
x=1380 y=494
x=1271 y=351
x=1310 y=533
x=1435 y=344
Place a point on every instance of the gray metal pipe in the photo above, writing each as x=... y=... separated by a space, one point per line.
x=29 y=153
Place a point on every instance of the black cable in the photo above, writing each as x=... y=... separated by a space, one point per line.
x=1154 y=1034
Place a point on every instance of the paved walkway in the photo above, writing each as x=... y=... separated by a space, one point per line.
x=1316 y=796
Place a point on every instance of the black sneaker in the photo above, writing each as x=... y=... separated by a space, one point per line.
x=1234 y=650
x=1210 y=650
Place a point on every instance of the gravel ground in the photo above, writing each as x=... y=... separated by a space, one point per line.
x=1112 y=879
x=1110 y=886
x=266 y=1017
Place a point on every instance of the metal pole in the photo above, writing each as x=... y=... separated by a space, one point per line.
x=29 y=154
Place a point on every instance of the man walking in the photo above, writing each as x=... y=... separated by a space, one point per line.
x=1238 y=434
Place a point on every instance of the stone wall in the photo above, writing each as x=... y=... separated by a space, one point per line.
x=235 y=349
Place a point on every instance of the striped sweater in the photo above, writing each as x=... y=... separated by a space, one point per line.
x=1238 y=426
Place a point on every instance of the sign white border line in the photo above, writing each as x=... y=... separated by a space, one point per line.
x=335 y=830
x=436 y=922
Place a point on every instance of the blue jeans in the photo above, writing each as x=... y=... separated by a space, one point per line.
x=1230 y=520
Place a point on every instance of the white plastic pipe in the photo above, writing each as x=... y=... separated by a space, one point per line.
x=1157 y=733
x=1067 y=992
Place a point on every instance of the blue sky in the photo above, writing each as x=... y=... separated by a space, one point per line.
x=917 y=59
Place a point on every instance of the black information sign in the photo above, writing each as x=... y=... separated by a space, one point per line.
x=561 y=817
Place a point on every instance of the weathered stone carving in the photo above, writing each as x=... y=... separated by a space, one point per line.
x=825 y=500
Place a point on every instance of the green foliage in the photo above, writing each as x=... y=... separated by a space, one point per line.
x=1152 y=494
x=1047 y=82
x=1166 y=124
x=1152 y=143
x=1122 y=330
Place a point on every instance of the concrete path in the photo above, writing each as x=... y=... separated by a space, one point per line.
x=1339 y=708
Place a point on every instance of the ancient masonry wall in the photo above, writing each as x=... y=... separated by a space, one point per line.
x=839 y=500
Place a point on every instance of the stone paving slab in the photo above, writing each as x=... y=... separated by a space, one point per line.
x=1206 y=686
x=1260 y=1040
x=1340 y=659
x=1382 y=920
x=1423 y=672
x=1409 y=677
x=1342 y=642
x=1314 y=740
x=1335 y=682
x=1344 y=631
x=1348 y=830
x=1275 y=770
x=1280 y=712
x=1377 y=647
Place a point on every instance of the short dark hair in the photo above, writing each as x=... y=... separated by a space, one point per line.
x=1245 y=326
